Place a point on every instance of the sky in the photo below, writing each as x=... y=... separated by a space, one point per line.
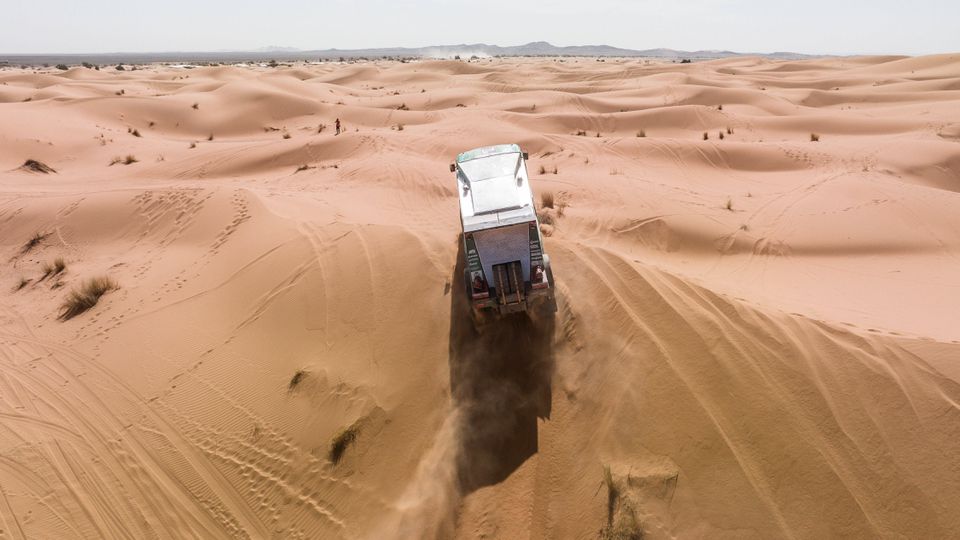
x=812 y=26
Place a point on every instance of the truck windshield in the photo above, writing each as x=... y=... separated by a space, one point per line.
x=485 y=168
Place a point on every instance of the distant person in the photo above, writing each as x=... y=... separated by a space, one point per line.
x=338 y=126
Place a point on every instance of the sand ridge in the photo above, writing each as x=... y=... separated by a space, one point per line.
x=756 y=336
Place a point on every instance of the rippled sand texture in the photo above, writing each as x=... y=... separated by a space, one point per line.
x=757 y=335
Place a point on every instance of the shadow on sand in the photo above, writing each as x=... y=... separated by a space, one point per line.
x=500 y=381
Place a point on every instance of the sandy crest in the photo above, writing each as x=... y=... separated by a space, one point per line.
x=757 y=335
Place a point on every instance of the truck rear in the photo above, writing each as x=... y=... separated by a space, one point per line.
x=506 y=269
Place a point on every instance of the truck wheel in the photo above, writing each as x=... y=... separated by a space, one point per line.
x=467 y=286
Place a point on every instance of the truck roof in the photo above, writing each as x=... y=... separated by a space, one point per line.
x=493 y=187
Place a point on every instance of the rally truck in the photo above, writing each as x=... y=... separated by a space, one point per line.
x=506 y=269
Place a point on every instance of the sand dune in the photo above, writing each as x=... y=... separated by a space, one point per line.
x=757 y=334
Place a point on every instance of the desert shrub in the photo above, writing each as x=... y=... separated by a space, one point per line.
x=82 y=299
x=543 y=170
x=814 y=137
x=62 y=67
x=719 y=107
x=403 y=107
x=729 y=131
x=581 y=133
x=120 y=67
x=341 y=441
x=195 y=106
x=720 y=135
x=21 y=283
x=729 y=205
x=193 y=145
x=210 y=138
x=706 y=136
x=641 y=133
x=555 y=169
x=286 y=135
x=135 y=132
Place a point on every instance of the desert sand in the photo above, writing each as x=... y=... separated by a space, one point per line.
x=758 y=333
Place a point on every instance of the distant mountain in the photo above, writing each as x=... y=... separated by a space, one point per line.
x=281 y=54
x=274 y=48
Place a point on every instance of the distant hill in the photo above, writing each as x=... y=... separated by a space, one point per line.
x=537 y=48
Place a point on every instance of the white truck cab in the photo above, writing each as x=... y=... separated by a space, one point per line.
x=506 y=269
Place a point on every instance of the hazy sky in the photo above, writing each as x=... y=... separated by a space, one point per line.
x=810 y=26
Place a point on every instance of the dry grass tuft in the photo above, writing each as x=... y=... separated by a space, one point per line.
x=52 y=269
x=706 y=136
x=547 y=199
x=33 y=165
x=641 y=133
x=84 y=298
x=543 y=170
x=622 y=522
x=403 y=107
x=34 y=241
x=303 y=168
x=135 y=132
x=555 y=169
x=729 y=205
x=297 y=378
x=196 y=105
x=563 y=201
x=720 y=135
x=210 y=138
x=814 y=137
x=286 y=135
x=130 y=159
x=21 y=283
x=581 y=133
x=338 y=446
